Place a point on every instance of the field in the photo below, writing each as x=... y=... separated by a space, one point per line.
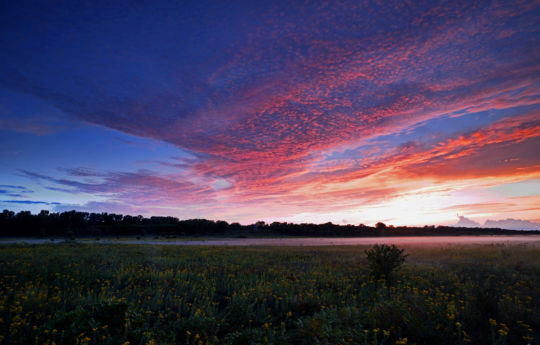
x=137 y=294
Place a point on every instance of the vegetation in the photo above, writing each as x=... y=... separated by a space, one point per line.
x=73 y=224
x=384 y=259
x=136 y=294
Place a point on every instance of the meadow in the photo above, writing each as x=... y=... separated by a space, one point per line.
x=141 y=294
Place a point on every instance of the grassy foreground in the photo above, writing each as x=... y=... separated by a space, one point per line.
x=137 y=294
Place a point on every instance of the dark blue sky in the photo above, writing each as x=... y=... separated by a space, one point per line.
x=306 y=111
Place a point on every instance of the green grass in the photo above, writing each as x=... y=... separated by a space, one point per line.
x=141 y=294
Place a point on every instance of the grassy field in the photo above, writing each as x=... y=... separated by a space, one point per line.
x=140 y=294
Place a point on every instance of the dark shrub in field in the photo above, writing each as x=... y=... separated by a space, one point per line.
x=383 y=260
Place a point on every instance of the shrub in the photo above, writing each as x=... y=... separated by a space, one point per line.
x=383 y=260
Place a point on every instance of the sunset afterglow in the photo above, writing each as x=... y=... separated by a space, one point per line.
x=347 y=112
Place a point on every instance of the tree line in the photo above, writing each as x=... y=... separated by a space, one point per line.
x=72 y=224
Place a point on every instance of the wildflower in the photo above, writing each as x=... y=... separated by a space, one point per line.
x=492 y=322
x=502 y=332
x=401 y=341
x=527 y=338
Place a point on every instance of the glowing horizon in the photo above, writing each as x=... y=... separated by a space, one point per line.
x=409 y=114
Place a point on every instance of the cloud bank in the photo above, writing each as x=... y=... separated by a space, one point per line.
x=510 y=224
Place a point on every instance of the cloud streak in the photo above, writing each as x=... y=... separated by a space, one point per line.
x=30 y=202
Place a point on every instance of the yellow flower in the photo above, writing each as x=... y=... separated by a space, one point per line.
x=401 y=341
x=492 y=322
x=527 y=338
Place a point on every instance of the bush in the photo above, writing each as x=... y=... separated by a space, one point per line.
x=383 y=260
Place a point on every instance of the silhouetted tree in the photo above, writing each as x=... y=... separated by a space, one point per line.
x=74 y=223
x=380 y=226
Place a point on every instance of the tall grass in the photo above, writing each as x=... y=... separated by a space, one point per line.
x=129 y=294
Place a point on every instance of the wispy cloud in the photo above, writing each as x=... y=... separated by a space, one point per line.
x=15 y=191
x=30 y=202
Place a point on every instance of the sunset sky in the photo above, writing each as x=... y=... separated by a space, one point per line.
x=405 y=112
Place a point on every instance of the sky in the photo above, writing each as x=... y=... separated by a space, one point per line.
x=405 y=112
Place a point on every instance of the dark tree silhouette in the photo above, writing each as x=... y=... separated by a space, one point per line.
x=78 y=224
